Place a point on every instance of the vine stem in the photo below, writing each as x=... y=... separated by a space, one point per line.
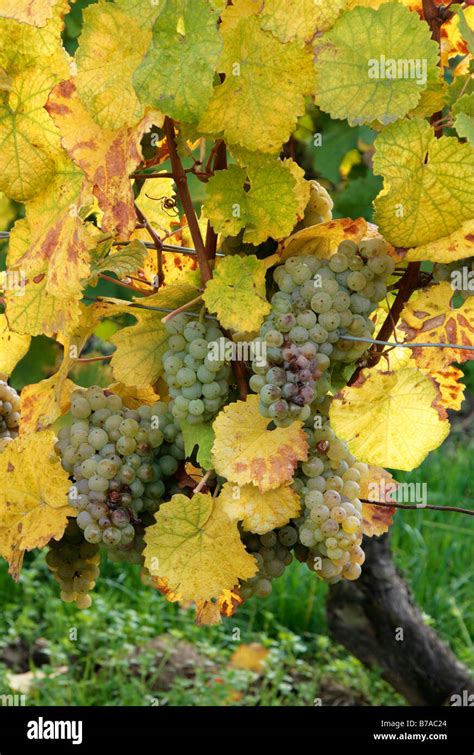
x=84 y=360
x=414 y=507
x=157 y=242
x=185 y=197
x=202 y=482
x=183 y=308
x=121 y=283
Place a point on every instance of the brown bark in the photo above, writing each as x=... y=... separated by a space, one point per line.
x=365 y=616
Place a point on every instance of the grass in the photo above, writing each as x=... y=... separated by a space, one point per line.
x=435 y=550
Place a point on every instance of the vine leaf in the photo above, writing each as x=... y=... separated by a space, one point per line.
x=106 y=156
x=30 y=143
x=35 y=12
x=251 y=657
x=323 y=239
x=33 y=497
x=346 y=84
x=209 y=613
x=200 y=436
x=305 y=19
x=42 y=403
x=378 y=485
x=125 y=261
x=196 y=548
x=256 y=64
x=138 y=359
x=135 y=396
x=428 y=183
x=260 y=511
x=452 y=391
x=52 y=238
x=463 y=109
x=432 y=318
x=245 y=451
x=236 y=293
x=111 y=47
x=239 y=197
x=13 y=347
x=390 y=419
x=456 y=246
x=176 y=75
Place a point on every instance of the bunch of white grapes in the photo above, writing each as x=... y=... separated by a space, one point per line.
x=459 y=274
x=318 y=302
x=198 y=380
x=9 y=414
x=74 y=564
x=330 y=525
x=119 y=460
x=272 y=552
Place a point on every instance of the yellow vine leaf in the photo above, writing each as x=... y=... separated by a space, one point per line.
x=245 y=451
x=52 y=238
x=23 y=45
x=42 y=403
x=30 y=142
x=34 y=311
x=239 y=198
x=35 y=12
x=33 y=497
x=323 y=239
x=13 y=347
x=251 y=657
x=433 y=319
x=140 y=347
x=260 y=512
x=303 y=21
x=456 y=246
x=256 y=64
x=379 y=485
x=143 y=13
x=390 y=419
x=135 y=396
x=111 y=47
x=452 y=391
x=107 y=157
x=196 y=548
x=152 y=201
x=236 y=293
x=428 y=183
x=349 y=82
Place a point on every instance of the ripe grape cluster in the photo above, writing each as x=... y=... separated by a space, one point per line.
x=74 y=564
x=272 y=552
x=198 y=383
x=459 y=274
x=318 y=302
x=9 y=413
x=119 y=460
x=330 y=525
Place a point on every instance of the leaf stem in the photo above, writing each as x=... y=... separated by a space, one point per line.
x=121 y=283
x=182 y=308
x=157 y=242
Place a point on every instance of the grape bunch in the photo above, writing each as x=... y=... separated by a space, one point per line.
x=198 y=382
x=318 y=302
x=330 y=525
x=272 y=552
x=74 y=564
x=459 y=274
x=319 y=207
x=119 y=460
x=9 y=414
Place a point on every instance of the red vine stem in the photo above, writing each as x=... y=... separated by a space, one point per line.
x=414 y=507
x=121 y=283
x=183 y=191
x=157 y=242
x=183 y=308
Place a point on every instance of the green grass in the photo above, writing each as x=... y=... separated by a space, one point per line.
x=434 y=550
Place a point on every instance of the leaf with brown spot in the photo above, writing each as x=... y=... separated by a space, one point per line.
x=433 y=319
x=379 y=485
x=245 y=451
x=33 y=497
